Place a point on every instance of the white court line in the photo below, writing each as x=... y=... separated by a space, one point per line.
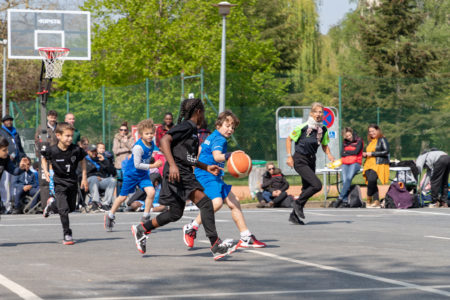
x=399 y=211
x=223 y=295
x=18 y=289
x=359 y=274
x=437 y=237
x=319 y=214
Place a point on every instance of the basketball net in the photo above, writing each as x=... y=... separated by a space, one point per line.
x=53 y=60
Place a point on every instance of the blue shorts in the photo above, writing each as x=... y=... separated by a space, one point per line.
x=129 y=184
x=215 y=188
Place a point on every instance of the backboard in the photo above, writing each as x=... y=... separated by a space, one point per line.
x=29 y=30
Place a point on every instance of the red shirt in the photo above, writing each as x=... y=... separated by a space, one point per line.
x=160 y=132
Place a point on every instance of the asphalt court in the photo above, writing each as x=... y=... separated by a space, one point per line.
x=339 y=254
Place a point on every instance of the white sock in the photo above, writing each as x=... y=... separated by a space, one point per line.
x=146 y=214
x=195 y=224
x=245 y=233
x=111 y=215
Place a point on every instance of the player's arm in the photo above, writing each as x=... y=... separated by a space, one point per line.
x=44 y=164
x=84 y=183
x=213 y=169
x=174 y=173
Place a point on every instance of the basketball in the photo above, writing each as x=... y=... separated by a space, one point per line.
x=239 y=164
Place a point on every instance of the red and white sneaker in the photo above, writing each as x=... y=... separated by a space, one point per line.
x=189 y=235
x=250 y=242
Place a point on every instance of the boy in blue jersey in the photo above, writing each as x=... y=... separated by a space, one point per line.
x=214 y=152
x=136 y=173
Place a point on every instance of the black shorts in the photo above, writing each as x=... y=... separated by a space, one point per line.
x=178 y=191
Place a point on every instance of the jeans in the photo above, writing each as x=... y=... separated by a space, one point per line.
x=21 y=194
x=107 y=184
x=348 y=172
x=267 y=196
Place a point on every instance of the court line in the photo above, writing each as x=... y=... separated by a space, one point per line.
x=18 y=289
x=359 y=274
x=211 y=295
x=437 y=237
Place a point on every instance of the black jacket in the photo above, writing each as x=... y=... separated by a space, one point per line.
x=106 y=168
x=382 y=151
x=15 y=145
x=275 y=182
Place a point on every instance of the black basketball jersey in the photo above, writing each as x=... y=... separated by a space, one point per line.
x=64 y=164
x=184 y=144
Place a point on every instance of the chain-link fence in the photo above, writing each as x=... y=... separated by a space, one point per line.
x=413 y=114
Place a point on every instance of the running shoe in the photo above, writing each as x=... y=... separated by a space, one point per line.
x=140 y=238
x=47 y=209
x=221 y=249
x=293 y=219
x=298 y=209
x=109 y=222
x=68 y=240
x=250 y=242
x=189 y=235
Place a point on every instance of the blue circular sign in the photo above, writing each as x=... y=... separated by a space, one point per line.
x=328 y=117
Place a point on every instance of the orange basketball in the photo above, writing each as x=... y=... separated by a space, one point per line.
x=239 y=164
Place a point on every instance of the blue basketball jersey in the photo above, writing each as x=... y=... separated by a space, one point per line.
x=130 y=168
x=215 y=142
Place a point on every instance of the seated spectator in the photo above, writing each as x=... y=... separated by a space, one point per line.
x=101 y=149
x=84 y=143
x=26 y=184
x=100 y=173
x=275 y=186
x=137 y=201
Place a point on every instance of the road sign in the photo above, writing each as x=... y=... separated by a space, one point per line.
x=328 y=117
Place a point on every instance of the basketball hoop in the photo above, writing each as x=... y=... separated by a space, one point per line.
x=54 y=59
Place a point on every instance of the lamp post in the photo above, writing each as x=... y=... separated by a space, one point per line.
x=224 y=11
x=4 y=42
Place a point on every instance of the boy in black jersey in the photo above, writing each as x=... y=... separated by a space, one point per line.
x=180 y=147
x=64 y=158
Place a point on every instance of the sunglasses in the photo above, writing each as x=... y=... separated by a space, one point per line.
x=123 y=129
x=271 y=169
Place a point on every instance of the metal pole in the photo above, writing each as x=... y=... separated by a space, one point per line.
x=378 y=115
x=103 y=115
x=340 y=114
x=67 y=101
x=11 y=112
x=147 y=90
x=182 y=85
x=4 y=79
x=37 y=112
x=201 y=84
x=222 y=67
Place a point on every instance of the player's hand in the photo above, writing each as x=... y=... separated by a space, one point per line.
x=174 y=174
x=47 y=176
x=214 y=169
x=290 y=161
x=157 y=164
x=84 y=185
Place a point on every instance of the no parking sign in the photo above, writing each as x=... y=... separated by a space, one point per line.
x=328 y=117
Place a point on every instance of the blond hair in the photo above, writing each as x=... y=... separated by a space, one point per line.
x=145 y=124
x=315 y=104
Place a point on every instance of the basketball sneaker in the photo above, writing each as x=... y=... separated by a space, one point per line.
x=250 y=242
x=189 y=234
x=47 y=209
x=140 y=237
x=109 y=222
x=68 y=240
x=293 y=219
x=298 y=209
x=221 y=249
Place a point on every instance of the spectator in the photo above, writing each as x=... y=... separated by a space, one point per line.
x=122 y=145
x=15 y=152
x=70 y=118
x=203 y=132
x=376 y=165
x=165 y=126
x=351 y=163
x=101 y=149
x=52 y=117
x=437 y=164
x=307 y=137
x=275 y=188
x=26 y=184
x=100 y=176
x=84 y=143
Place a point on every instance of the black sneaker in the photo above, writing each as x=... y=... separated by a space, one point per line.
x=108 y=222
x=298 y=209
x=221 y=249
x=140 y=238
x=47 y=209
x=295 y=220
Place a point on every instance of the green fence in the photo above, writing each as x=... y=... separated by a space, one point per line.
x=413 y=114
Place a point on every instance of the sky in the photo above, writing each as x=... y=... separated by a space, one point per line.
x=332 y=11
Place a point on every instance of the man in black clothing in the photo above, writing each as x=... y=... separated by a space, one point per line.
x=64 y=157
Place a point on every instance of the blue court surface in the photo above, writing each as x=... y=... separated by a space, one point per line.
x=339 y=254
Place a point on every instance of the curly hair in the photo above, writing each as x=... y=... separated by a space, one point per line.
x=145 y=124
x=188 y=107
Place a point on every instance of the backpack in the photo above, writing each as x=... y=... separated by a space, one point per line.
x=354 y=196
x=400 y=195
